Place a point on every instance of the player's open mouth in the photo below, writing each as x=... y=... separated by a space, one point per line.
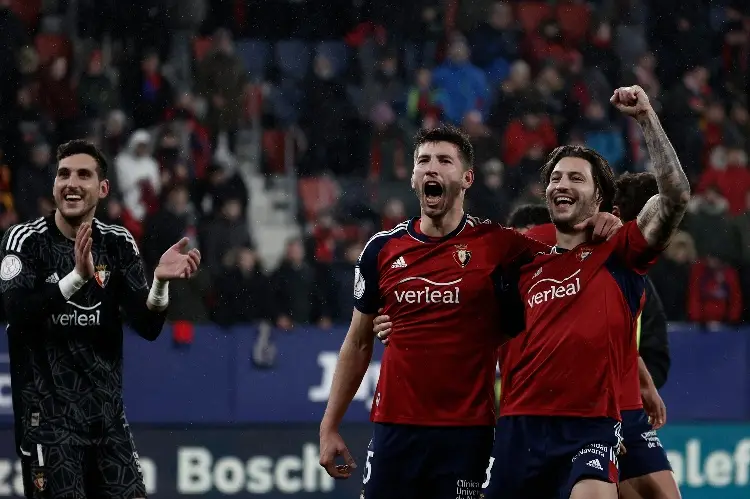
x=563 y=201
x=72 y=198
x=433 y=191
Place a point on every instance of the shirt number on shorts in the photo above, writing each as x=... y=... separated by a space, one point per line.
x=368 y=467
x=488 y=474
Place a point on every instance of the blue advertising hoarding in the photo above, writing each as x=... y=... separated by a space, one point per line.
x=278 y=461
x=213 y=381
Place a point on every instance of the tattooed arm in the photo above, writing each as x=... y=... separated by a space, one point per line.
x=662 y=213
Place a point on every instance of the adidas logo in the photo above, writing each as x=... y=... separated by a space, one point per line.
x=400 y=263
x=594 y=463
x=53 y=279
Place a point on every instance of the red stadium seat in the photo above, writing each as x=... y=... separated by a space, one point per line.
x=274 y=150
x=531 y=14
x=51 y=46
x=201 y=46
x=27 y=11
x=574 y=22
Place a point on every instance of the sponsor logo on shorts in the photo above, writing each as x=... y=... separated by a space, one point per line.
x=468 y=489
x=652 y=439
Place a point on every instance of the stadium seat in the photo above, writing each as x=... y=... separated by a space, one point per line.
x=274 y=150
x=27 y=10
x=318 y=194
x=574 y=21
x=337 y=52
x=201 y=46
x=293 y=58
x=531 y=14
x=256 y=55
x=50 y=46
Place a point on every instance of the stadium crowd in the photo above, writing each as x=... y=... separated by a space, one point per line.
x=338 y=89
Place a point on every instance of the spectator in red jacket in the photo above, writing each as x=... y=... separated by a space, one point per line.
x=729 y=173
x=532 y=130
x=714 y=295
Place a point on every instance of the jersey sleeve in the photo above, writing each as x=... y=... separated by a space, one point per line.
x=633 y=250
x=366 y=279
x=26 y=303
x=147 y=323
x=516 y=249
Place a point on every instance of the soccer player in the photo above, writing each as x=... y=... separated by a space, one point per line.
x=528 y=216
x=442 y=275
x=559 y=428
x=63 y=279
x=644 y=468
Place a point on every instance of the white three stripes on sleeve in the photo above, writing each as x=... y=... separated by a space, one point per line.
x=118 y=231
x=21 y=232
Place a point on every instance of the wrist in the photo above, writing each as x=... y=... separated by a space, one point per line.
x=158 y=295
x=646 y=117
x=71 y=283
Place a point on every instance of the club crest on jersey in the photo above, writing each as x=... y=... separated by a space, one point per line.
x=583 y=254
x=462 y=255
x=40 y=481
x=101 y=275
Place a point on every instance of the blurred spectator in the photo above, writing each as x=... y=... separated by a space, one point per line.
x=139 y=176
x=464 y=85
x=600 y=54
x=741 y=225
x=242 y=289
x=488 y=198
x=219 y=183
x=33 y=183
x=394 y=212
x=115 y=134
x=221 y=80
x=496 y=42
x=643 y=73
x=227 y=229
x=601 y=134
x=714 y=295
x=511 y=96
x=671 y=275
x=184 y=19
x=727 y=172
x=294 y=288
x=486 y=143
x=173 y=221
x=390 y=146
x=26 y=124
x=8 y=215
x=339 y=300
x=58 y=98
x=146 y=92
x=546 y=45
x=385 y=85
x=707 y=221
x=531 y=133
x=423 y=99
x=97 y=93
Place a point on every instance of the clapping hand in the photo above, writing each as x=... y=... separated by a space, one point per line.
x=175 y=264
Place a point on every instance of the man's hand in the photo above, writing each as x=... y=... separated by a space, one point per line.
x=631 y=101
x=174 y=264
x=654 y=407
x=382 y=326
x=331 y=447
x=84 y=258
x=602 y=225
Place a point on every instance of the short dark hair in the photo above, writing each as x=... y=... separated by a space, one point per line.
x=447 y=133
x=604 y=177
x=79 y=146
x=527 y=215
x=633 y=191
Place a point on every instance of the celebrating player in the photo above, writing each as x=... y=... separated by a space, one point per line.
x=644 y=468
x=63 y=279
x=559 y=429
x=442 y=275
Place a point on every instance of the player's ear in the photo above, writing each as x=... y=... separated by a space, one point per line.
x=103 y=188
x=616 y=211
x=468 y=178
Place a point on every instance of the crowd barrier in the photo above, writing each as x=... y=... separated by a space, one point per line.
x=711 y=461
x=214 y=381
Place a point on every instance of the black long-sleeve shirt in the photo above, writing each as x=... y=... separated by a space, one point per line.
x=66 y=355
x=654 y=341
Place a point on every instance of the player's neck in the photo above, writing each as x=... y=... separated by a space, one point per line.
x=69 y=228
x=439 y=227
x=569 y=241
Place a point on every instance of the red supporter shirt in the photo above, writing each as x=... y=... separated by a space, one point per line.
x=630 y=397
x=581 y=308
x=446 y=297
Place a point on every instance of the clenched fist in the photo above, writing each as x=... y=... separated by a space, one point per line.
x=631 y=101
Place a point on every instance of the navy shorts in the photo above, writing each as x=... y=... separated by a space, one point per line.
x=413 y=462
x=539 y=457
x=644 y=453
